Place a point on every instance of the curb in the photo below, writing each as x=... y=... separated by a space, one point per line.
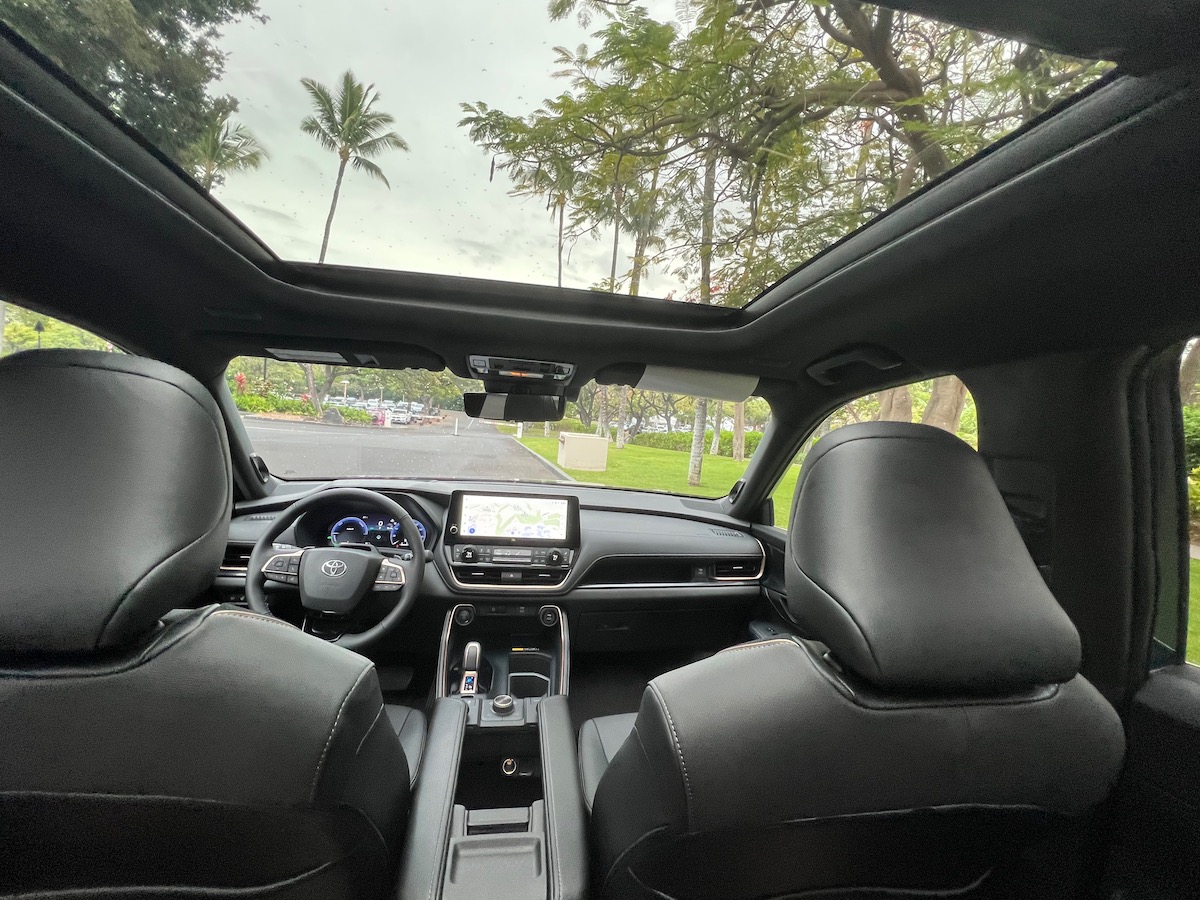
x=563 y=476
x=257 y=418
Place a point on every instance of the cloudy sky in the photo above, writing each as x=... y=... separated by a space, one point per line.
x=441 y=214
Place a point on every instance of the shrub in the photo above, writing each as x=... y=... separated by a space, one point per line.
x=360 y=416
x=252 y=403
x=1194 y=495
x=682 y=441
x=1191 y=436
x=299 y=407
x=255 y=403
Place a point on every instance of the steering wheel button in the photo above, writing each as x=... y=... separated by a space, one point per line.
x=293 y=565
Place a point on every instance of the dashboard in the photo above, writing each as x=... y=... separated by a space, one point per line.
x=629 y=569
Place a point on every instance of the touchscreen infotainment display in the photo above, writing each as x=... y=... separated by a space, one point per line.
x=499 y=516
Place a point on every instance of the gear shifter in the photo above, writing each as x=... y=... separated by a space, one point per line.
x=471 y=662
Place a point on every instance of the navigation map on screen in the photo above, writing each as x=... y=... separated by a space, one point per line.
x=541 y=518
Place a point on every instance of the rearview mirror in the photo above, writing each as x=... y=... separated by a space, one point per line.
x=514 y=407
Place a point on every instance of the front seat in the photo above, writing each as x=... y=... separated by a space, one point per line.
x=931 y=737
x=201 y=753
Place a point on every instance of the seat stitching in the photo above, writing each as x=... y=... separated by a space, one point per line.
x=757 y=645
x=254 y=617
x=333 y=728
x=678 y=750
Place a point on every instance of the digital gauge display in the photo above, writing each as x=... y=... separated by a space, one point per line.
x=382 y=531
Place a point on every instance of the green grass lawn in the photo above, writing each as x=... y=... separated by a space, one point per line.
x=646 y=468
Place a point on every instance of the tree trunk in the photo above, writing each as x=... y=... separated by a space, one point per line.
x=562 y=206
x=739 y=431
x=699 y=426
x=715 y=447
x=312 y=388
x=331 y=374
x=895 y=405
x=946 y=401
x=337 y=189
x=707 y=214
x=622 y=414
x=602 y=418
x=612 y=272
x=586 y=404
x=1189 y=372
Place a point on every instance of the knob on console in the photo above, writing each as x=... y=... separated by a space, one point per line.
x=548 y=616
x=469 y=554
x=464 y=615
x=555 y=557
x=502 y=705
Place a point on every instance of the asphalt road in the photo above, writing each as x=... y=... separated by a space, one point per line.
x=301 y=449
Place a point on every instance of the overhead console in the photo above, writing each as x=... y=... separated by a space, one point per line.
x=514 y=541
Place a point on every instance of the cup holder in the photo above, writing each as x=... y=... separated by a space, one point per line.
x=530 y=673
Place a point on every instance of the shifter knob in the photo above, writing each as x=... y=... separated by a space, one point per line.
x=472 y=656
x=502 y=705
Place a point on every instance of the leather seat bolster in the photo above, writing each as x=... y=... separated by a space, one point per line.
x=599 y=741
x=411 y=728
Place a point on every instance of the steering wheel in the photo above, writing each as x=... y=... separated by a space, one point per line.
x=333 y=580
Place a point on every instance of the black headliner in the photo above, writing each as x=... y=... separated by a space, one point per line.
x=1080 y=232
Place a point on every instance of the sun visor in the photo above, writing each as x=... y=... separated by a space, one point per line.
x=713 y=385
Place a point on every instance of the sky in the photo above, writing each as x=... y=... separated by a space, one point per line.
x=441 y=214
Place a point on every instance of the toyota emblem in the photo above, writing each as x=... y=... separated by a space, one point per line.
x=334 y=568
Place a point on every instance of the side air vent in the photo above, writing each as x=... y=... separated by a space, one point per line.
x=737 y=569
x=235 y=561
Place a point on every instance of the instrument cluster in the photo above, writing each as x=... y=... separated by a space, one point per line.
x=339 y=525
x=371 y=528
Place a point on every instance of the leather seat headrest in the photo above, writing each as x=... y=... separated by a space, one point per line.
x=904 y=560
x=117 y=484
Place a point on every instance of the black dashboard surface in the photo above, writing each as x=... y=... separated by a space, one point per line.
x=638 y=550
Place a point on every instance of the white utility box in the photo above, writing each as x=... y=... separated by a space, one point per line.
x=582 y=451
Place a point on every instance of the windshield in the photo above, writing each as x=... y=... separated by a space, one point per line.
x=685 y=149
x=317 y=421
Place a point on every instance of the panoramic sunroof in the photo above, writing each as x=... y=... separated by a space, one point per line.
x=695 y=151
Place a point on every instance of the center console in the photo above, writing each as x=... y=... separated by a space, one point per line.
x=498 y=809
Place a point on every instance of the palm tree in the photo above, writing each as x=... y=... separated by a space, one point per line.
x=348 y=126
x=222 y=148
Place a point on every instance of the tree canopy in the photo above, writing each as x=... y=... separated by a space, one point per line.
x=151 y=62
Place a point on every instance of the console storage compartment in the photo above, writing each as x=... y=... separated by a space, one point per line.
x=502 y=813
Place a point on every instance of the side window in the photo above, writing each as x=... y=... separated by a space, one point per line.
x=23 y=329
x=1189 y=395
x=942 y=402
